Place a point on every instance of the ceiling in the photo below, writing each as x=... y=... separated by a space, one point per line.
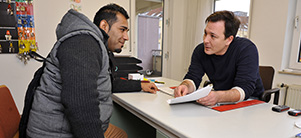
x=147 y=5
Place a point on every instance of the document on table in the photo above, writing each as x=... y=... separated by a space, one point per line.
x=192 y=96
x=167 y=90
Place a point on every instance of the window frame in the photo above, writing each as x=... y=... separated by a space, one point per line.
x=296 y=42
x=249 y=12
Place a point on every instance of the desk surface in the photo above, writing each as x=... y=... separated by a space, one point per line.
x=194 y=120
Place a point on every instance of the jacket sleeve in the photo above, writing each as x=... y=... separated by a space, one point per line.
x=247 y=69
x=80 y=63
x=120 y=85
x=195 y=70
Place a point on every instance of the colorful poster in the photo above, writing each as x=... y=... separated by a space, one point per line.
x=26 y=31
x=8 y=29
x=76 y=5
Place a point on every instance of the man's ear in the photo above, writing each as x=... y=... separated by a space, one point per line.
x=104 y=25
x=229 y=39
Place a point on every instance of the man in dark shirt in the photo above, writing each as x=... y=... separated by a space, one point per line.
x=230 y=62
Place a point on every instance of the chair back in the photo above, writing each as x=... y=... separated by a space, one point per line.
x=267 y=76
x=9 y=114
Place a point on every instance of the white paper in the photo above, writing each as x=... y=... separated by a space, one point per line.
x=167 y=90
x=192 y=96
x=159 y=85
x=298 y=124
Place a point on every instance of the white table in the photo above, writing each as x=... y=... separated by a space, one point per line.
x=194 y=120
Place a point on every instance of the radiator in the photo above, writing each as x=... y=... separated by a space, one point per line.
x=293 y=96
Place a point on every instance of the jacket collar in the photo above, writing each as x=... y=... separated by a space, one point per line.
x=105 y=37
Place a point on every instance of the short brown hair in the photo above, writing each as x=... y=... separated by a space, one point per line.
x=232 y=23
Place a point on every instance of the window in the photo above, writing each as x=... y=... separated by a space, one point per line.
x=240 y=9
x=149 y=15
x=295 y=57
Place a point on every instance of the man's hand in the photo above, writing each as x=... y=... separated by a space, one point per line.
x=209 y=100
x=215 y=97
x=181 y=90
x=149 y=87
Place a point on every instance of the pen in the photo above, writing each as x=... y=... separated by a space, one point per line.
x=161 y=82
x=227 y=103
x=147 y=81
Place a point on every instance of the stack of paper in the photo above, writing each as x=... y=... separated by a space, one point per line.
x=192 y=96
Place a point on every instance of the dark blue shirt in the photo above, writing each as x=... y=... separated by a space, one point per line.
x=237 y=67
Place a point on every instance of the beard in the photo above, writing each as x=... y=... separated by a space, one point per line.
x=117 y=50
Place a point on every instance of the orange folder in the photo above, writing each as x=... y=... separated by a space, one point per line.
x=237 y=105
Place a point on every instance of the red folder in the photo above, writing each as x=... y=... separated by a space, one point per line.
x=237 y=105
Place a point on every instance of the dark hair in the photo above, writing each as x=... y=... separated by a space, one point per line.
x=232 y=23
x=108 y=13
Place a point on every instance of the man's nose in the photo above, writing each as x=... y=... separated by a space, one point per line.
x=126 y=36
x=205 y=38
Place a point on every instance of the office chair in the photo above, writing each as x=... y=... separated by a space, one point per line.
x=9 y=115
x=267 y=76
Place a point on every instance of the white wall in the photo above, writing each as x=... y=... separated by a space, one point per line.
x=47 y=14
x=182 y=34
x=269 y=32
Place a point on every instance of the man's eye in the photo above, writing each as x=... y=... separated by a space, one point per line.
x=123 y=30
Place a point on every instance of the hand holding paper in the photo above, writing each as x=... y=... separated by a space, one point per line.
x=192 y=96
